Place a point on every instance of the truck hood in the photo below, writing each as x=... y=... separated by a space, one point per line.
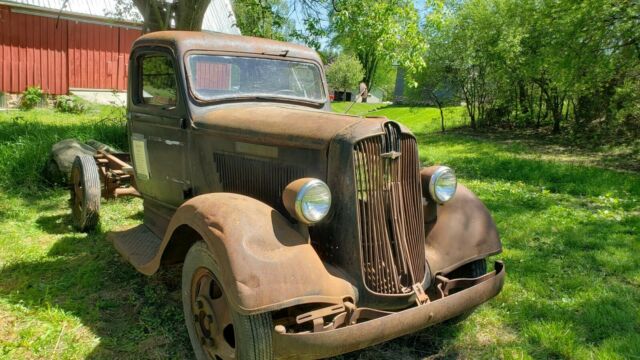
x=279 y=125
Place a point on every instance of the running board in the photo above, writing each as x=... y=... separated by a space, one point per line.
x=138 y=245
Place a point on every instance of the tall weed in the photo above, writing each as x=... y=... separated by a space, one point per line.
x=26 y=140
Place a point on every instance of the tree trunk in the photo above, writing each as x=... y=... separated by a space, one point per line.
x=523 y=97
x=190 y=14
x=439 y=104
x=557 y=118
x=470 y=107
x=369 y=62
x=539 y=109
x=157 y=15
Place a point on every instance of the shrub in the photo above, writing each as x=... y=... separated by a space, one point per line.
x=31 y=97
x=69 y=104
x=345 y=73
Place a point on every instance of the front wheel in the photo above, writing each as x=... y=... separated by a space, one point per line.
x=216 y=330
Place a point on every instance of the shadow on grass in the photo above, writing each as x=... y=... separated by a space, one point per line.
x=55 y=224
x=483 y=160
x=132 y=315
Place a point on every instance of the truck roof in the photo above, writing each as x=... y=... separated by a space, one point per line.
x=183 y=41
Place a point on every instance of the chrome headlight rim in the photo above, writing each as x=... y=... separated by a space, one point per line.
x=299 y=201
x=440 y=171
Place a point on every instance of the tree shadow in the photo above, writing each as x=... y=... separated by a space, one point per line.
x=132 y=315
x=487 y=161
x=55 y=224
x=432 y=342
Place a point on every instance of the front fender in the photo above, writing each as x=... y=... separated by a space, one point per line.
x=463 y=231
x=265 y=264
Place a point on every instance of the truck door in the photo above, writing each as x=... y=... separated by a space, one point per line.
x=157 y=126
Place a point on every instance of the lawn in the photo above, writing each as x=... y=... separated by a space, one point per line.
x=569 y=230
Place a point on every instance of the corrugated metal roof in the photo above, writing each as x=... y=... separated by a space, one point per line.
x=219 y=15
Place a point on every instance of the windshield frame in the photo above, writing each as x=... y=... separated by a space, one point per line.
x=249 y=97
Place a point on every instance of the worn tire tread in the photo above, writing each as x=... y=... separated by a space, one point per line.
x=90 y=213
x=252 y=331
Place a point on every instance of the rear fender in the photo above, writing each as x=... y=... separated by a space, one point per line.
x=462 y=230
x=265 y=263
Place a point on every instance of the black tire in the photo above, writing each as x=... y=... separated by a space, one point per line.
x=473 y=269
x=251 y=333
x=85 y=193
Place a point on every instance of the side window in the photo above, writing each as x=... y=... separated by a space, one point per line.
x=158 y=80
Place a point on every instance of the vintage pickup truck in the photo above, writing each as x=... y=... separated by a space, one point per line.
x=303 y=233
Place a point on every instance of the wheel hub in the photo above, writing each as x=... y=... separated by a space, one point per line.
x=211 y=317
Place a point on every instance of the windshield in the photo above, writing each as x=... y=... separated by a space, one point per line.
x=214 y=77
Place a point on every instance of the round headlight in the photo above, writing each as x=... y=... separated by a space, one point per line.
x=308 y=200
x=443 y=184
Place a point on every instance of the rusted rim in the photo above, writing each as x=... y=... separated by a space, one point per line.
x=77 y=191
x=211 y=317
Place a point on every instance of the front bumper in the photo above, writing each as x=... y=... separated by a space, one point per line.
x=358 y=336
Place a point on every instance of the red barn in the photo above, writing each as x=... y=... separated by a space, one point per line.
x=74 y=44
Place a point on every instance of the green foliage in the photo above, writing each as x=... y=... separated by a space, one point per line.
x=378 y=32
x=276 y=19
x=345 y=73
x=385 y=80
x=562 y=63
x=263 y=18
x=69 y=104
x=31 y=97
x=25 y=141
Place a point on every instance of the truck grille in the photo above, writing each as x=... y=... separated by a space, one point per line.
x=260 y=179
x=390 y=211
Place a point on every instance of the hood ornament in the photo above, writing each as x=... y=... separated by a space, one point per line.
x=391 y=155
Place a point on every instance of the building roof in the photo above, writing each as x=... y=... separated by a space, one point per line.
x=219 y=16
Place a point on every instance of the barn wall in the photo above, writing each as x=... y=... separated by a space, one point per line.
x=63 y=54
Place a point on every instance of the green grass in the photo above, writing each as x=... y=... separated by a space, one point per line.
x=419 y=118
x=569 y=231
x=26 y=138
x=355 y=109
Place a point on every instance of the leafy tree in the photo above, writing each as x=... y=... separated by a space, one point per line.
x=344 y=73
x=263 y=18
x=274 y=19
x=377 y=32
x=572 y=65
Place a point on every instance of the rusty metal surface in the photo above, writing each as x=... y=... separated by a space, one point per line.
x=267 y=180
x=390 y=217
x=138 y=245
x=116 y=175
x=463 y=231
x=276 y=124
x=267 y=264
x=184 y=41
x=349 y=338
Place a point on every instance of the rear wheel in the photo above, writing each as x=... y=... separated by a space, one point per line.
x=216 y=330
x=471 y=270
x=85 y=193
